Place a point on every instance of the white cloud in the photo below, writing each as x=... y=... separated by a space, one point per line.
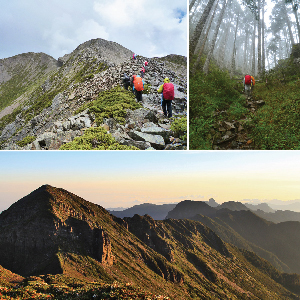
x=90 y=29
x=150 y=28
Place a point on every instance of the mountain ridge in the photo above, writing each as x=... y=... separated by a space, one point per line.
x=56 y=108
x=81 y=240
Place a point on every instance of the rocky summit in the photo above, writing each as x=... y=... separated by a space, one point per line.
x=47 y=104
x=56 y=245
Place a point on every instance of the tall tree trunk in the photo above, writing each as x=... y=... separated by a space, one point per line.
x=287 y=19
x=253 y=48
x=259 y=41
x=280 y=49
x=194 y=12
x=212 y=45
x=204 y=41
x=192 y=4
x=222 y=50
x=199 y=27
x=263 y=65
x=297 y=21
x=245 y=51
x=234 y=49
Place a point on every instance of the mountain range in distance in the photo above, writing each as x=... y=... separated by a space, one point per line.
x=55 y=244
x=268 y=211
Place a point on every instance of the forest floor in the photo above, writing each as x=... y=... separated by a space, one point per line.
x=222 y=118
x=236 y=134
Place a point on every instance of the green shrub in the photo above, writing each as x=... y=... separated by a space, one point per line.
x=179 y=126
x=27 y=140
x=147 y=89
x=112 y=104
x=95 y=139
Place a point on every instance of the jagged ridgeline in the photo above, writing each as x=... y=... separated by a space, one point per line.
x=78 y=101
x=57 y=245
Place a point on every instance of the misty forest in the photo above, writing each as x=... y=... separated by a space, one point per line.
x=232 y=38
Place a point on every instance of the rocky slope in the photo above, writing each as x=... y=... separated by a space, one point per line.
x=49 y=118
x=52 y=231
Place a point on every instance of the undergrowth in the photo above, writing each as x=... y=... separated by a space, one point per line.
x=277 y=124
x=209 y=94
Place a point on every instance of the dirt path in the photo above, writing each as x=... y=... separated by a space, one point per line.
x=235 y=135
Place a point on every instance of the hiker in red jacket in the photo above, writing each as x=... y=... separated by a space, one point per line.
x=247 y=85
x=146 y=65
x=167 y=90
x=142 y=72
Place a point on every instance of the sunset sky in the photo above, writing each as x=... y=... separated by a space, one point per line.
x=125 y=178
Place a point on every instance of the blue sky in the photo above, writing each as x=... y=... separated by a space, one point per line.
x=57 y=27
x=125 y=178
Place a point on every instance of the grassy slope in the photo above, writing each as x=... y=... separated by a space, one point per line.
x=209 y=94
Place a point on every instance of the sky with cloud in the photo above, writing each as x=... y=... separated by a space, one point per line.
x=57 y=27
x=125 y=178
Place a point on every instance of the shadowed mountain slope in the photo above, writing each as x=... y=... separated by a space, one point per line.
x=278 y=243
x=52 y=231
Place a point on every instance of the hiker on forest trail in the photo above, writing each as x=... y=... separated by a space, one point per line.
x=138 y=87
x=253 y=84
x=126 y=81
x=167 y=90
x=247 y=85
x=142 y=72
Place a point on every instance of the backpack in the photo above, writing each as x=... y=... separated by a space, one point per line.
x=168 y=91
x=126 y=78
x=247 y=79
x=253 y=80
x=138 y=84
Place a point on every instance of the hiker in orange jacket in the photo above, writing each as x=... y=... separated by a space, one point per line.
x=167 y=90
x=138 y=87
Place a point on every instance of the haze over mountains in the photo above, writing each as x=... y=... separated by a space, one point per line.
x=47 y=103
x=52 y=231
